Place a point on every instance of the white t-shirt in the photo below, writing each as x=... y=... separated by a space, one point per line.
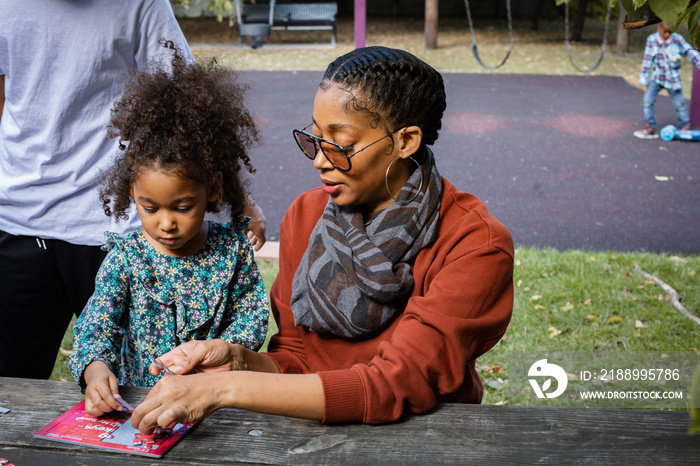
x=64 y=62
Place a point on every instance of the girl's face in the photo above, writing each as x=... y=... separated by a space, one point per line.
x=364 y=184
x=171 y=209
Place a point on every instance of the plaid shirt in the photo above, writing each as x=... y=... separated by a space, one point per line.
x=664 y=60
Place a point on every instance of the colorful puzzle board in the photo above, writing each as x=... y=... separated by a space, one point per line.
x=111 y=431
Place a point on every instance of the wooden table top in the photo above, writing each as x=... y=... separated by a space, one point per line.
x=451 y=433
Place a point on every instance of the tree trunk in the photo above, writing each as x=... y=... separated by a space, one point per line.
x=538 y=15
x=431 y=24
x=579 y=20
x=622 y=44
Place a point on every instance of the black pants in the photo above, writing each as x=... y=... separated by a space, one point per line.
x=42 y=284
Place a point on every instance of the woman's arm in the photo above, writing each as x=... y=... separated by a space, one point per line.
x=229 y=376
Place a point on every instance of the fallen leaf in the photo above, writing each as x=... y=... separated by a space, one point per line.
x=568 y=306
x=553 y=332
x=495 y=384
x=572 y=377
x=639 y=324
x=615 y=320
x=587 y=302
x=519 y=284
x=590 y=318
x=496 y=369
x=539 y=307
x=661 y=178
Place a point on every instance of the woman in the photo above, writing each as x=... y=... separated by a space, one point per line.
x=391 y=283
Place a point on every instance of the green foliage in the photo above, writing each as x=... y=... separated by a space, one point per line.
x=222 y=8
x=673 y=12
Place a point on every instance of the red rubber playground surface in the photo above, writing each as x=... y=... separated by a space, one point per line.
x=552 y=156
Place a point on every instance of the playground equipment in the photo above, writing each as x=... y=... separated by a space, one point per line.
x=670 y=132
x=475 y=46
x=602 y=47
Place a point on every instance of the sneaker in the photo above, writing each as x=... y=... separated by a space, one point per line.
x=646 y=133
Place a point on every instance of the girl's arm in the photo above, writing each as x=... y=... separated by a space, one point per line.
x=244 y=319
x=97 y=334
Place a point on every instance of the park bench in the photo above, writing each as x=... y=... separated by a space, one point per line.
x=259 y=19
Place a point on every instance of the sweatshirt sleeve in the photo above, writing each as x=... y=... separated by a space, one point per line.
x=464 y=313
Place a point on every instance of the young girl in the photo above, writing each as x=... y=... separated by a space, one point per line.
x=178 y=278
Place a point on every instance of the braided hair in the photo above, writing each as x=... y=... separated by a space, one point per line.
x=186 y=118
x=392 y=84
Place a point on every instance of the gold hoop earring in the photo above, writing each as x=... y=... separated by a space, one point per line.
x=386 y=180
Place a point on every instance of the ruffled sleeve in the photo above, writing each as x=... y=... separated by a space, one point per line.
x=247 y=307
x=98 y=334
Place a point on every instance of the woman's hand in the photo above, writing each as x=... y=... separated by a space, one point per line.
x=201 y=356
x=191 y=398
x=212 y=356
x=102 y=389
x=178 y=399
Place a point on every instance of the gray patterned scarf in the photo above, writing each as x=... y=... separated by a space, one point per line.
x=354 y=277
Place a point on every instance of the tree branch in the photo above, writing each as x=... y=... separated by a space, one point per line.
x=675 y=297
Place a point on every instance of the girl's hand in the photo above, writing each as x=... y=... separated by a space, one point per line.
x=643 y=88
x=102 y=389
x=178 y=399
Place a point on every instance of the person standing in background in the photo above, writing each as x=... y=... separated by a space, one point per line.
x=61 y=65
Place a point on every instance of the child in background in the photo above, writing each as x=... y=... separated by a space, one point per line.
x=662 y=57
x=184 y=134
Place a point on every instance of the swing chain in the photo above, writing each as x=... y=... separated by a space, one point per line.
x=474 y=45
x=602 y=46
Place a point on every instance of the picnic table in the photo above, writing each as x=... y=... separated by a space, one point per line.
x=450 y=433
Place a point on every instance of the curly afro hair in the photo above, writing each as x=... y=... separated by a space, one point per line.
x=185 y=118
x=393 y=86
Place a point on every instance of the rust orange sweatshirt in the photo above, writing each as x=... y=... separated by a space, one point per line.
x=459 y=308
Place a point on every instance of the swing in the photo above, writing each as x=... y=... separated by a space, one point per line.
x=475 y=45
x=602 y=47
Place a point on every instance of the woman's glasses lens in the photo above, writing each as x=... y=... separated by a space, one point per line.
x=334 y=153
x=306 y=144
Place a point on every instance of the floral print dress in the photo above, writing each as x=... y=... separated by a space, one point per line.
x=146 y=303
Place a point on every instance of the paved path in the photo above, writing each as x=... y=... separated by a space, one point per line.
x=553 y=157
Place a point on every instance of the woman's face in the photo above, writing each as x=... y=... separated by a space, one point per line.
x=364 y=184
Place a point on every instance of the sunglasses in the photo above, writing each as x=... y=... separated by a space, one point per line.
x=336 y=154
